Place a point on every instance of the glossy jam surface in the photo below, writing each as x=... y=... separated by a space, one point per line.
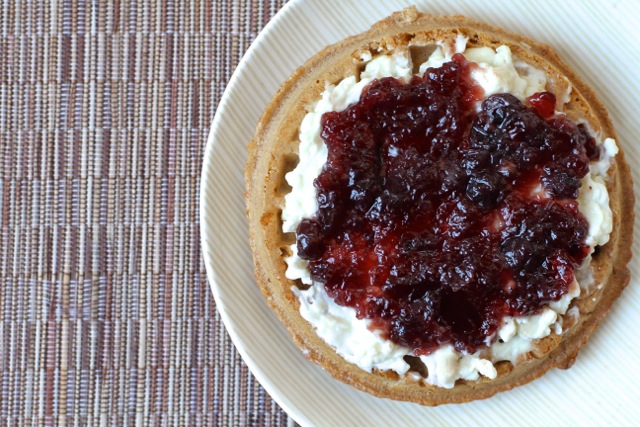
x=436 y=220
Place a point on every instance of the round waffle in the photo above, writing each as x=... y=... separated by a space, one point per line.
x=273 y=153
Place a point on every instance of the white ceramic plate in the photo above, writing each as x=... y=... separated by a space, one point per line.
x=598 y=39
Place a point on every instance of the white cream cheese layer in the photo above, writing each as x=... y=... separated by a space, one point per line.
x=338 y=325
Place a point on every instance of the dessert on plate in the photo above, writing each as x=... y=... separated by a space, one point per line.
x=439 y=209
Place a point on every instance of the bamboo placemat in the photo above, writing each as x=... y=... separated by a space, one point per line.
x=106 y=315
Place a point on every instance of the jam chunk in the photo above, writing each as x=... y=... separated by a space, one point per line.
x=437 y=218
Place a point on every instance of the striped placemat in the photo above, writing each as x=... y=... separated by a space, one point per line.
x=106 y=315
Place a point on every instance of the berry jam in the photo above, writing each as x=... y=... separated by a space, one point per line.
x=436 y=220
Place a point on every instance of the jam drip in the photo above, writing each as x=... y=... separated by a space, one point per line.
x=435 y=220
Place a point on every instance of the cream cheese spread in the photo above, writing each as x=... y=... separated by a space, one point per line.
x=338 y=325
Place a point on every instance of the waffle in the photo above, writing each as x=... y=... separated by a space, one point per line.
x=273 y=153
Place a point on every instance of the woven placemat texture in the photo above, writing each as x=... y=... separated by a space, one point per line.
x=106 y=315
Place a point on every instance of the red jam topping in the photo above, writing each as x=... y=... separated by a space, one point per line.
x=436 y=220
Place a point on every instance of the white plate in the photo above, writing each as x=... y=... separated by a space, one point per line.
x=601 y=42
